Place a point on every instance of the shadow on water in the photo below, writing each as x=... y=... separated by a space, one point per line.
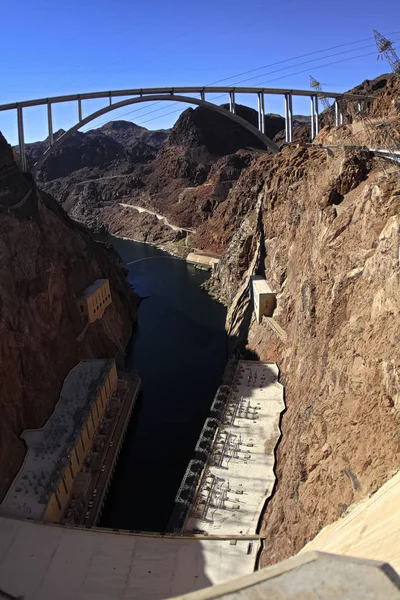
x=179 y=349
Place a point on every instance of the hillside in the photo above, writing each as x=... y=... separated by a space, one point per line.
x=46 y=263
x=115 y=145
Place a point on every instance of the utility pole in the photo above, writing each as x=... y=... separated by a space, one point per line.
x=385 y=48
x=316 y=85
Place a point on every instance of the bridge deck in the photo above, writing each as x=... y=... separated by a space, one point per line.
x=170 y=91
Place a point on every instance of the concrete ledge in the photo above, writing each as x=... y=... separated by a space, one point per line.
x=276 y=328
x=310 y=576
x=369 y=530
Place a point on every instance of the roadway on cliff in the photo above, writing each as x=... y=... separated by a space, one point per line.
x=159 y=217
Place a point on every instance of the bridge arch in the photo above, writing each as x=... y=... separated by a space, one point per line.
x=153 y=98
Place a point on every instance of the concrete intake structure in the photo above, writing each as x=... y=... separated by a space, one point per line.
x=203 y=260
x=95 y=300
x=56 y=452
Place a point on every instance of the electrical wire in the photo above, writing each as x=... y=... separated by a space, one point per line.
x=300 y=56
x=278 y=78
x=271 y=72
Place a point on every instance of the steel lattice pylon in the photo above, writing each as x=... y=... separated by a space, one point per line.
x=385 y=47
x=317 y=86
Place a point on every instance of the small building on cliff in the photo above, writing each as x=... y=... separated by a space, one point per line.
x=95 y=300
x=264 y=299
x=56 y=453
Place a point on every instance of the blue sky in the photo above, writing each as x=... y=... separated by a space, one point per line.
x=55 y=48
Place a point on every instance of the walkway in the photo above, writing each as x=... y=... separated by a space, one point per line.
x=387 y=154
x=44 y=562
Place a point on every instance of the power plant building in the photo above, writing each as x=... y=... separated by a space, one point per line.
x=56 y=453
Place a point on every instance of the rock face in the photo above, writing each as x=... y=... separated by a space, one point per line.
x=114 y=146
x=330 y=232
x=338 y=303
x=46 y=263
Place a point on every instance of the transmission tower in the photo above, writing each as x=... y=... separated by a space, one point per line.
x=385 y=48
x=317 y=86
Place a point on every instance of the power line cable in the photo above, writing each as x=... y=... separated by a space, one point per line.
x=268 y=73
x=278 y=78
x=299 y=56
x=306 y=62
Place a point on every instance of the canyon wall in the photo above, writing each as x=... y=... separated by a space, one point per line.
x=331 y=237
x=46 y=263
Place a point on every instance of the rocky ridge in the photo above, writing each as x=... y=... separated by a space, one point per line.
x=188 y=177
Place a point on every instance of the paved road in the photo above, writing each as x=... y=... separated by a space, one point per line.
x=159 y=217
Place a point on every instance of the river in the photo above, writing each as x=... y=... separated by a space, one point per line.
x=179 y=349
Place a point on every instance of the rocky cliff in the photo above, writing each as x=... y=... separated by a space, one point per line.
x=324 y=229
x=46 y=263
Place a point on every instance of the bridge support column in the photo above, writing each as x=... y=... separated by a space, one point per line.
x=261 y=114
x=50 y=123
x=232 y=107
x=316 y=115
x=288 y=118
x=21 y=139
x=312 y=118
x=79 y=109
x=202 y=95
x=290 y=99
x=337 y=122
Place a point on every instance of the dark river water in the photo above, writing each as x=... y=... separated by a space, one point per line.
x=179 y=349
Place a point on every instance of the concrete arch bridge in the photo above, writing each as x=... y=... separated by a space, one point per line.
x=189 y=95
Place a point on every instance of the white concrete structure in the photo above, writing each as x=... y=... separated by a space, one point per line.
x=264 y=298
x=204 y=260
x=48 y=562
x=371 y=529
x=239 y=474
x=312 y=576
